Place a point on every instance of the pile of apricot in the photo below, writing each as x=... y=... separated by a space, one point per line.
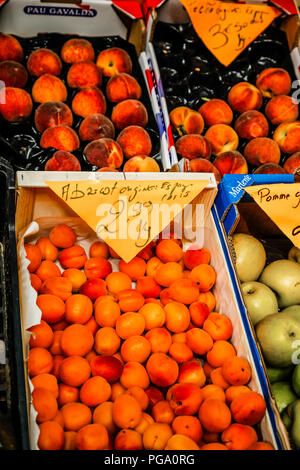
x=78 y=99
x=255 y=129
x=135 y=357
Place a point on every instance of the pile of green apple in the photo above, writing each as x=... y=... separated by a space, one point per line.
x=271 y=293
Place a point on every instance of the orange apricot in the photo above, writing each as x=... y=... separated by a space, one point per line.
x=103 y=414
x=47 y=249
x=130 y=324
x=62 y=236
x=239 y=436
x=135 y=268
x=128 y=439
x=94 y=391
x=118 y=281
x=76 y=415
x=189 y=426
x=74 y=370
x=51 y=436
x=199 y=341
x=52 y=307
x=107 y=341
x=156 y=436
x=47 y=381
x=130 y=300
x=162 y=369
x=219 y=326
x=214 y=415
x=136 y=348
x=204 y=276
x=153 y=314
x=169 y=251
x=177 y=317
x=220 y=351
x=160 y=339
x=248 y=408
x=44 y=403
x=140 y=394
x=107 y=313
x=76 y=340
x=79 y=309
x=236 y=370
x=213 y=391
x=41 y=335
x=127 y=411
x=34 y=255
x=76 y=277
x=40 y=361
x=92 y=436
x=47 y=269
x=134 y=374
x=167 y=273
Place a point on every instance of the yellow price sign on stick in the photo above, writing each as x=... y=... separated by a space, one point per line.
x=228 y=28
x=281 y=202
x=128 y=214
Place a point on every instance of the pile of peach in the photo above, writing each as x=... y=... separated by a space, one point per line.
x=135 y=358
x=256 y=128
x=52 y=102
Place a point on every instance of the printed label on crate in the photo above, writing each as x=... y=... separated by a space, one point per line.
x=281 y=202
x=128 y=215
x=228 y=28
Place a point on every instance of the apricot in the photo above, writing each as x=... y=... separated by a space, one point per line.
x=43 y=61
x=40 y=361
x=141 y=396
x=10 y=48
x=15 y=104
x=181 y=442
x=219 y=326
x=217 y=378
x=127 y=412
x=123 y=86
x=62 y=236
x=52 y=307
x=79 y=309
x=128 y=439
x=134 y=374
x=108 y=367
x=142 y=163
x=262 y=150
x=148 y=287
x=222 y=138
x=135 y=348
x=107 y=341
x=41 y=335
x=114 y=60
x=186 y=121
x=89 y=101
x=130 y=324
x=181 y=352
x=248 y=408
x=60 y=137
x=214 y=415
x=13 y=74
x=107 y=313
x=97 y=268
x=261 y=445
x=84 y=74
x=94 y=288
x=47 y=248
x=58 y=286
x=102 y=414
x=162 y=369
x=216 y=111
x=168 y=273
x=76 y=340
x=77 y=50
x=244 y=96
x=156 y=436
x=94 y=391
x=154 y=395
x=287 y=137
x=192 y=371
x=214 y=446
x=96 y=126
x=104 y=152
x=130 y=300
x=35 y=282
x=199 y=341
x=49 y=88
x=192 y=146
x=135 y=268
x=199 y=311
x=152 y=264
x=220 y=351
x=76 y=415
x=44 y=403
x=236 y=370
x=189 y=426
x=34 y=255
x=51 y=436
x=232 y=162
x=251 y=124
x=239 y=436
x=177 y=317
x=234 y=391
x=134 y=140
x=92 y=436
x=76 y=277
x=274 y=81
x=162 y=412
x=74 y=370
x=160 y=339
x=208 y=298
x=213 y=391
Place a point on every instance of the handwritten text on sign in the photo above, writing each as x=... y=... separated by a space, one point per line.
x=281 y=202
x=228 y=28
x=128 y=214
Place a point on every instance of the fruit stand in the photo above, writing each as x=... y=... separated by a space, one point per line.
x=150 y=249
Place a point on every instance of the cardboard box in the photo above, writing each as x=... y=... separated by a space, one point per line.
x=38 y=209
x=239 y=213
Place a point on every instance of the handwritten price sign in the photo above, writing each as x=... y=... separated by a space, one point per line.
x=281 y=202
x=228 y=28
x=128 y=214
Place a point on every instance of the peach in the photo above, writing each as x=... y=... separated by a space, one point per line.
x=192 y=372
x=108 y=367
x=89 y=101
x=142 y=163
x=49 y=88
x=58 y=286
x=274 y=81
x=10 y=48
x=185 y=398
x=193 y=146
x=123 y=86
x=52 y=113
x=292 y=164
x=186 y=121
x=62 y=160
x=73 y=257
x=129 y=112
x=162 y=369
x=60 y=137
x=94 y=288
x=281 y=108
x=244 y=96
x=270 y=168
x=251 y=124
x=96 y=126
x=201 y=165
x=77 y=50
x=128 y=439
x=239 y=436
x=222 y=138
x=84 y=74
x=216 y=111
x=13 y=74
x=97 y=268
x=287 y=136
x=232 y=162
x=42 y=61
x=262 y=150
x=134 y=140
x=114 y=60
x=104 y=152
x=15 y=104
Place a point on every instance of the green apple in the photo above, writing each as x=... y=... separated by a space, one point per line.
x=278 y=335
x=293 y=310
x=294 y=410
x=294 y=254
x=283 y=277
x=296 y=379
x=283 y=394
x=259 y=299
x=250 y=256
x=277 y=374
